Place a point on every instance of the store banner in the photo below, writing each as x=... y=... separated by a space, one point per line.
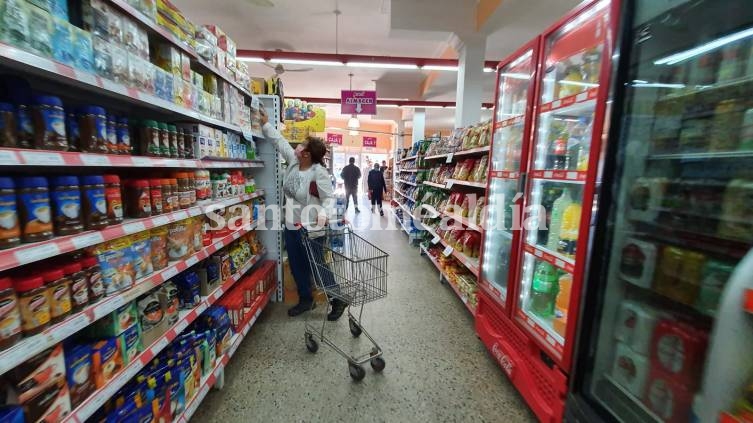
x=302 y=120
x=369 y=141
x=358 y=102
x=334 y=139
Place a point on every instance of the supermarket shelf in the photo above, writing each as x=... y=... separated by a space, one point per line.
x=573 y=105
x=470 y=263
x=409 y=170
x=515 y=120
x=100 y=396
x=463 y=298
x=405 y=209
x=402 y=181
x=544 y=329
x=406 y=229
x=555 y=259
x=29 y=253
x=208 y=381
x=21 y=157
x=463 y=220
x=33 y=345
x=167 y=36
x=451 y=182
x=732 y=84
x=403 y=194
x=409 y=158
x=703 y=156
x=570 y=176
x=30 y=63
x=504 y=174
x=468 y=152
x=434 y=184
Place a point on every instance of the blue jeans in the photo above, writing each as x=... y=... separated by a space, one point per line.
x=300 y=266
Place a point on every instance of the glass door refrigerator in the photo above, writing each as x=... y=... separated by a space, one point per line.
x=512 y=130
x=572 y=91
x=675 y=223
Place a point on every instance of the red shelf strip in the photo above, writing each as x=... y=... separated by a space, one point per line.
x=560 y=175
x=561 y=263
x=509 y=122
x=568 y=101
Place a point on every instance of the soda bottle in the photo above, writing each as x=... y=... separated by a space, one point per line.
x=563 y=302
x=543 y=290
x=549 y=196
x=569 y=230
x=555 y=223
x=558 y=153
x=577 y=144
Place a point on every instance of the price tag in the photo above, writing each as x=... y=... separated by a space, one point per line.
x=134 y=227
x=449 y=158
x=169 y=272
x=572 y=175
x=449 y=183
x=192 y=260
x=559 y=263
x=181 y=215
x=159 y=346
x=37 y=158
x=8 y=157
x=448 y=251
x=95 y=160
x=435 y=241
x=83 y=241
x=142 y=161
x=71 y=326
x=29 y=255
x=160 y=221
x=181 y=326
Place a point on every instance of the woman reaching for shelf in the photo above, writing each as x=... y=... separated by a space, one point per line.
x=309 y=200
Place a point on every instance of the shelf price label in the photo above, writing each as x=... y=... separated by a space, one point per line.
x=449 y=183
x=448 y=251
x=435 y=241
x=8 y=158
x=449 y=158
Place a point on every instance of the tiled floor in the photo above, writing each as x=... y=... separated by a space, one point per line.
x=437 y=369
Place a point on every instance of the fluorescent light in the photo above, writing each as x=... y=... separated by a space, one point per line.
x=521 y=59
x=644 y=84
x=578 y=83
x=252 y=59
x=703 y=48
x=439 y=67
x=387 y=105
x=381 y=65
x=435 y=107
x=307 y=62
x=489 y=70
x=585 y=16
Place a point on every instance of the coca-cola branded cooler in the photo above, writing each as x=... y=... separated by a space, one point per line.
x=664 y=335
x=552 y=99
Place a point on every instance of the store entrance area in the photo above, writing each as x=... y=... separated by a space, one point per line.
x=437 y=370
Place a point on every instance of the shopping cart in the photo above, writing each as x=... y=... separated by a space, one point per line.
x=347 y=267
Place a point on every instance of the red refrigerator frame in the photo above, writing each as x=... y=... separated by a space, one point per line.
x=488 y=289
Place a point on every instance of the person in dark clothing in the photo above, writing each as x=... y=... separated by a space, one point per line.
x=377 y=187
x=384 y=166
x=351 y=174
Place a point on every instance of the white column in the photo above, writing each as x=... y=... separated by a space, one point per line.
x=471 y=50
x=419 y=124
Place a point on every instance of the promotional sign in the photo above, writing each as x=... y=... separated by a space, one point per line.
x=369 y=141
x=358 y=102
x=301 y=120
x=334 y=139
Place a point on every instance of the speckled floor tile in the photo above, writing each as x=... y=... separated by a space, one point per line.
x=437 y=369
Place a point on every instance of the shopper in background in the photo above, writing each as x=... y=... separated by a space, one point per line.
x=351 y=174
x=377 y=187
x=308 y=188
x=384 y=166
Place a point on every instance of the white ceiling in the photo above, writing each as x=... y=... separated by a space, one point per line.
x=366 y=27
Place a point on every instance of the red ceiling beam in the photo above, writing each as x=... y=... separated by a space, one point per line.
x=401 y=103
x=354 y=58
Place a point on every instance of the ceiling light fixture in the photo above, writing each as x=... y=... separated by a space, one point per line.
x=252 y=59
x=578 y=83
x=440 y=68
x=515 y=75
x=381 y=65
x=489 y=70
x=307 y=62
x=353 y=122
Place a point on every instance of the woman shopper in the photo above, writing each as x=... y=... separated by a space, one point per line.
x=377 y=187
x=309 y=200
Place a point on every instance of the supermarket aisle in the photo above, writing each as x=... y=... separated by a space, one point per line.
x=437 y=369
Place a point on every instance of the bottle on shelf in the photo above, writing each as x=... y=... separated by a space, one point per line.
x=562 y=303
x=544 y=290
x=569 y=230
x=557 y=153
x=555 y=224
x=577 y=145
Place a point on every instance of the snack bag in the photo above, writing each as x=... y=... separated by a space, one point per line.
x=179 y=242
x=465 y=170
x=158 y=238
x=480 y=170
x=116 y=260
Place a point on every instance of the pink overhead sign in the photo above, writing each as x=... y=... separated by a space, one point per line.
x=358 y=102
x=369 y=141
x=334 y=139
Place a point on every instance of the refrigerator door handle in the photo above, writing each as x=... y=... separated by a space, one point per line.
x=522 y=182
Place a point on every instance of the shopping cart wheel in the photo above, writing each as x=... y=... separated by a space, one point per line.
x=377 y=363
x=355 y=330
x=356 y=372
x=311 y=343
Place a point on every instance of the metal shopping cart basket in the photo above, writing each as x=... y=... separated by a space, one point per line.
x=347 y=267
